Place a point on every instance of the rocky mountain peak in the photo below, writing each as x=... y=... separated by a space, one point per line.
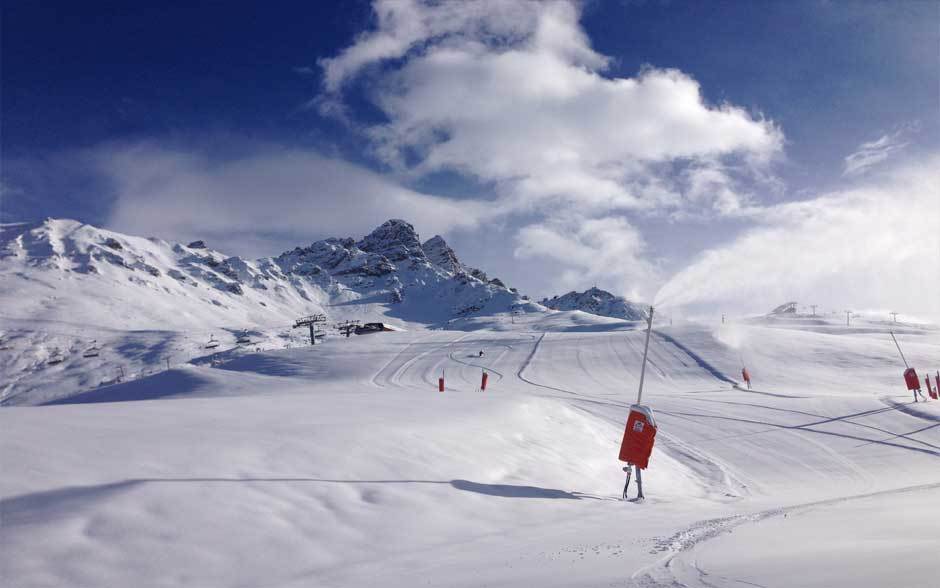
x=395 y=239
x=600 y=302
x=596 y=292
x=440 y=254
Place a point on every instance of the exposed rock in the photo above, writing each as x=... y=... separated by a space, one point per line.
x=441 y=255
x=478 y=274
x=786 y=308
x=395 y=239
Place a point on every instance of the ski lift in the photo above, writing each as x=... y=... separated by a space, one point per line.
x=92 y=351
x=213 y=342
x=243 y=339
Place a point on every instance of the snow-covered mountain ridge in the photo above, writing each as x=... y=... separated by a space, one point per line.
x=62 y=268
x=600 y=302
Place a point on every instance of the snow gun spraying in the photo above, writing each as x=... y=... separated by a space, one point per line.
x=640 y=432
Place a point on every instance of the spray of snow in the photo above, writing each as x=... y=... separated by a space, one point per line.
x=732 y=335
x=869 y=246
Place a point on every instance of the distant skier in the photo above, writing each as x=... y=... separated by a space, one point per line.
x=481 y=353
x=746 y=376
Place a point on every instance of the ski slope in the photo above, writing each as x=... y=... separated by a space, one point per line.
x=342 y=465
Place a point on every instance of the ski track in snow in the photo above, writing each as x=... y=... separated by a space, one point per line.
x=732 y=446
x=393 y=360
x=675 y=570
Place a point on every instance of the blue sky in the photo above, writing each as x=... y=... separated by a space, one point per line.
x=555 y=144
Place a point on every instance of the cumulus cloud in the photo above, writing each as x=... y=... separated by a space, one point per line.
x=523 y=102
x=510 y=93
x=403 y=25
x=874 y=245
x=268 y=197
x=608 y=251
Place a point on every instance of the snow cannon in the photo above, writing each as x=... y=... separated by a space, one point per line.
x=440 y=384
x=911 y=379
x=486 y=376
x=638 y=437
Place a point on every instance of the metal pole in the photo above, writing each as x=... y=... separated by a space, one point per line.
x=639 y=397
x=313 y=339
x=646 y=347
x=899 y=349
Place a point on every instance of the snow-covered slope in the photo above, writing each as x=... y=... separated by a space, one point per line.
x=342 y=465
x=68 y=287
x=600 y=302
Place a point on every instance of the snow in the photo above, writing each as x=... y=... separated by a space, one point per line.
x=600 y=302
x=341 y=464
x=66 y=286
x=163 y=463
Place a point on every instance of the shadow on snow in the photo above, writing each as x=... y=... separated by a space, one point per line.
x=46 y=506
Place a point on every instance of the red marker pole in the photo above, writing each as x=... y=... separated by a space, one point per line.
x=483 y=382
x=440 y=383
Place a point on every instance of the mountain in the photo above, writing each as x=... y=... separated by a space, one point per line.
x=68 y=288
x=441 y=255
x=63 y=269
x=600 y=302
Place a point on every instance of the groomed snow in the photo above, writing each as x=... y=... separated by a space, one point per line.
x=342 y=465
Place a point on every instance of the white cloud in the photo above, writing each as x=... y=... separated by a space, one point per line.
x=608 y=251
x=511 y=94
x=276 y=196
x=872 y=153
x=402 y=25
x=869 y=247
x=522 y=102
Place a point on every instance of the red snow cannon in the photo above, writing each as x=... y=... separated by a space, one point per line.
x=930 y=390
x=911 y=379
x=638 y=437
